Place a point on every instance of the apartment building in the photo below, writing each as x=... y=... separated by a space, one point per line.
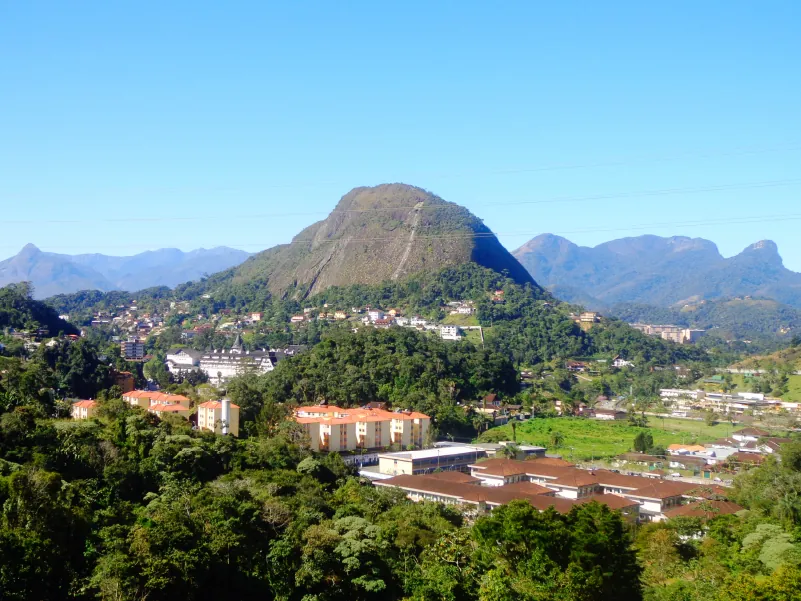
x=335 y=429
x=220 y=417
x=133 y=349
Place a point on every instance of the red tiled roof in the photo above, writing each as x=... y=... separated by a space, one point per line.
x=552 y=461
x=704 y=509
x=217 y=405
x=661 y=489
x=86 y=404
x=610 y=500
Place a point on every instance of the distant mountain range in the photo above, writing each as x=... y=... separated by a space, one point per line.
x=52 y=273
x=657 y=271
x=376 y=234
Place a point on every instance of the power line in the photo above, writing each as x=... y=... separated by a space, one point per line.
x=449 y=206
x=481 y=235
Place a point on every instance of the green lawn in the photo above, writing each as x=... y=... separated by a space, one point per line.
x=460 y=320
x=591 y=438
x=793 y=389
x=473 y=336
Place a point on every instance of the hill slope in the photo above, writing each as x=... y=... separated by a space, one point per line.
x=52 y=273
x=19 y=311
x=731 y=318
x=658 y=271
x=377 y=234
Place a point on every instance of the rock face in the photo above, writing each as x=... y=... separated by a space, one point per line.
x=657 y=271
x=52 y=273
x=376 y=234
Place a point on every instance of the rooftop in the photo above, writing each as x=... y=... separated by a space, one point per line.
x=429 y=453
x=704 y=509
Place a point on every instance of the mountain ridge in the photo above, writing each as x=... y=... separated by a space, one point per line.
x=659 y=271
x=53 y=273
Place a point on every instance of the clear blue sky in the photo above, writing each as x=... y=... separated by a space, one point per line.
x=234 y=115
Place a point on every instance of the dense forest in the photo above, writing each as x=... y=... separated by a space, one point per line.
x=125 y=506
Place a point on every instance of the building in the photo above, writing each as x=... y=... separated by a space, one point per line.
x=429 y=460
x=620 y=362
x=83 y=409
x=609 y=414
x=220 y=417
x=162 y=409
x=221 y=365
x=340 y=315
x=672 y=333
x=297 y=319
x=749 y=435
x=182 y=360
x=375 y=314
x=133 y=349
x=465 y=310
x=146 y=398
x=123 y=379
x=450 y=333
x=332 y=428
x=657 y=497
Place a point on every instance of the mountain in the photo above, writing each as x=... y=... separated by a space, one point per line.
x=52 y=273
x=657 y=271
x=378 y=234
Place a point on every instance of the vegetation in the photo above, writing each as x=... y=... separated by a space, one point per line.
x=764 y=322
x=583 y=439
x=400 y=366
x=127 y=507
x=18 y=310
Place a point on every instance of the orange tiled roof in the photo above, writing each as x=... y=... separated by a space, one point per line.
x=337 y=415
x=86 y=404
x=215 y=405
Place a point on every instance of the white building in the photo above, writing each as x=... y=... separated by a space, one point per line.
x=375 y=314
x=221 y=365
x=182 y=360
x=417 y=321
x=450 y=333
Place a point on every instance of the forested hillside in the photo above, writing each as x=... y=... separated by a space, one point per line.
x=732 y=318
x=18 y=310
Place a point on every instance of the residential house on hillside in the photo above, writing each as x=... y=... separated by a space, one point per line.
x=83 y=409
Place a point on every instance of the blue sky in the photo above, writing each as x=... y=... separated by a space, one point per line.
x=186 y=124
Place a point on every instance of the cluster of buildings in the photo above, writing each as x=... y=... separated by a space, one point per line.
x=221 y=365
x=334 y=429
x=675 y=334
x=130 y=320
x=745 y=448
x=220 y=417
x=730 y=404
x=548 y=482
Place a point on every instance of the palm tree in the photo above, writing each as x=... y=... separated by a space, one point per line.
x=557 y=439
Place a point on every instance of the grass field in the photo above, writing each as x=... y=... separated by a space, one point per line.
x=599 y=439
x=473 y=336
x=460 y=320
x=793 y=389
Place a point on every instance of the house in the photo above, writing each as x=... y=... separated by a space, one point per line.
x=297 y=319
x=133 y=349
x=417 y=321
x=402 y=321
x=83 y=409
x=576 y=366
x=742 y=459
x=161 y=409
x=340 y=315
x=620 y=363
x=220 y=417
x=686 y=449
x=609 y=414
x=465 y=310
x=255 y=316
x=383 y=324
x=749 y=434
x=687 y=462
x=375 y=314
